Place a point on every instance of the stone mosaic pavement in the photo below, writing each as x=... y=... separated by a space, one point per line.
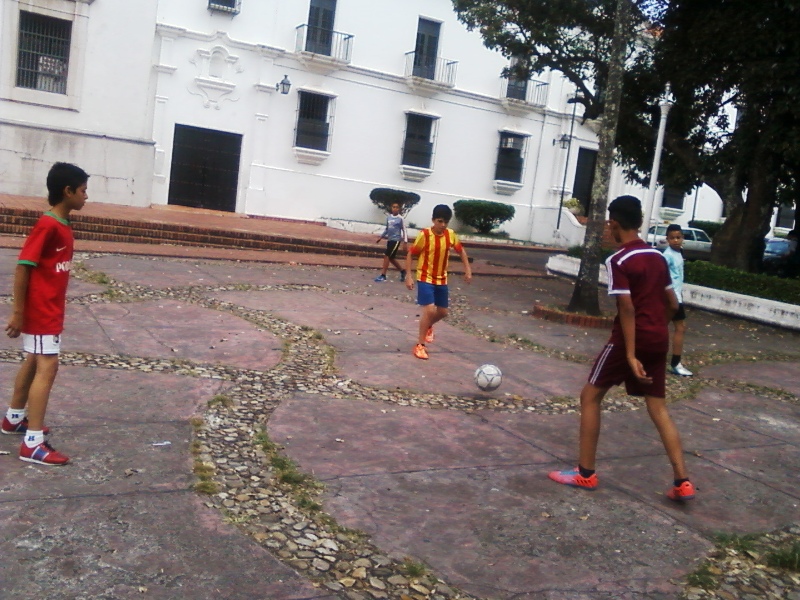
x=408 y=451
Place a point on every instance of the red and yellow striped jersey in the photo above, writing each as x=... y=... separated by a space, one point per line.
x=432 y=252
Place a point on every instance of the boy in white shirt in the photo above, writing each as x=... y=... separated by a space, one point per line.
x=674 y=258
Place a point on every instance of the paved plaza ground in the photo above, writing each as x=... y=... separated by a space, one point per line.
x=172 y=363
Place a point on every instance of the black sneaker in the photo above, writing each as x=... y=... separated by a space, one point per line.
x=402 y=276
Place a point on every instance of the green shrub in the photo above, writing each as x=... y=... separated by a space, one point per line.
x=383 y=198
x=740 y=282
x=483 y=215
x=710 y=227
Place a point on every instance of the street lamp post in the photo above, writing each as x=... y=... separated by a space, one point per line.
x=665 y=103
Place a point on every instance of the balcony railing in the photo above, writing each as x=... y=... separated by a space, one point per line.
x=434 y=68
x=229 y=6
x=531 y=91
x=325 y=42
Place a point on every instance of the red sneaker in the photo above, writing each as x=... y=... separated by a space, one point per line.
x=429 y=336
x=679 y=493
x=43 y=454
x=18 y=429
x=420 y=352
x=573 y=477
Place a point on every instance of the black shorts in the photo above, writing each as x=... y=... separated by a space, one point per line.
x=392 y=248
x=680 y=314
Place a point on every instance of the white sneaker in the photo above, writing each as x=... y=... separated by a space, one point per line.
x=679 y=369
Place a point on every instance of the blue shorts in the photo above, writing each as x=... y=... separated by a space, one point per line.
x=427 y=293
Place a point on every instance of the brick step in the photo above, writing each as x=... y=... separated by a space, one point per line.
x=19 y=222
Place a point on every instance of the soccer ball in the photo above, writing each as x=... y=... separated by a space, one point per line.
x=488 y=377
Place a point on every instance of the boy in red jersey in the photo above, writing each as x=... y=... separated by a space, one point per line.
x=40 y=294
x=433 y=246
x=636 y=354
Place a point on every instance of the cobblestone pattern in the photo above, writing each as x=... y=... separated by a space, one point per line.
x=231 y=443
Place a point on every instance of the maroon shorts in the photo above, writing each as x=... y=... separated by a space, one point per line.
x=611 y=368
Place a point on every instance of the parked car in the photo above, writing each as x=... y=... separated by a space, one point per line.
x=696 y=243
x=776 y=256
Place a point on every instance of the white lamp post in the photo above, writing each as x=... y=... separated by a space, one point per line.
x=665 y=103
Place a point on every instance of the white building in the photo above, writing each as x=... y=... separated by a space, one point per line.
x=175 y=102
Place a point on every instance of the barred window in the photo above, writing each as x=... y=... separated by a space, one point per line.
x=418 y=146
x=313 y=121
x=43 y=52
x=510 y=157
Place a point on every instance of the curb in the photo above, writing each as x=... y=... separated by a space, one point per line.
x=558 y=316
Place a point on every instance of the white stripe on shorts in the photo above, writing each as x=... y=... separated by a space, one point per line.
x=598 y=367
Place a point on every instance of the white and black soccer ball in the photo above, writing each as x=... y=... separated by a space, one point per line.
x=488 y=377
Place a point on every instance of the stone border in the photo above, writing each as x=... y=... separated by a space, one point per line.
x=558 y=316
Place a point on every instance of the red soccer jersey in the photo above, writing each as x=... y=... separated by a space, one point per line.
x=48 y=250
x=433 y=252
x=641 y=271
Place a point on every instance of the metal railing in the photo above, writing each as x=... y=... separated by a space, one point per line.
x=531 y=91
x=43 y=53
x=312 y=134
x=319 y=40
x=417 y=153
x=228 y=6
x=434 y=68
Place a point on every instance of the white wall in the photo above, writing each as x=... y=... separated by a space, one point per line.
x=103 y=121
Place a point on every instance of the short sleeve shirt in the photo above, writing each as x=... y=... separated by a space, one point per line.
x=641 y=271
x=432 y=253
x=48 y=250
x=675 y=264
x=395 y=229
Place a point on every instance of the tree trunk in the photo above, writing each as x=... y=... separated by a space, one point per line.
x=739 y=244
x=585 y=294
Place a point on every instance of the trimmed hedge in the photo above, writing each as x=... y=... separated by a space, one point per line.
x=710 y=227
x=740 y=282
x=483 y=215
x=383 y=198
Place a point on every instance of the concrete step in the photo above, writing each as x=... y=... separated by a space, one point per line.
x=19 y=222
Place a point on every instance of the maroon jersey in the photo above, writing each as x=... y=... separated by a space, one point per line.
x=641 y=271
x=48 y=250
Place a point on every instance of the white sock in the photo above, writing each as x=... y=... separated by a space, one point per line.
x=15 y=415
x=34 y=438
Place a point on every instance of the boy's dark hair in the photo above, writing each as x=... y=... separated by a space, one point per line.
x=627 y=211
x=674 y=227
x=442 y=211
x=63 y=175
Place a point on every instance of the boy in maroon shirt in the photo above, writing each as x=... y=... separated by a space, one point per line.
x=40 y=294
x=636 y=354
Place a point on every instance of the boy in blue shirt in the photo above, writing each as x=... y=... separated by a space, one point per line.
x=395 y=234
x=674 y=258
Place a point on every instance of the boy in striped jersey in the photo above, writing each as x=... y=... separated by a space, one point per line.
x=433 y=247
x=638 y=277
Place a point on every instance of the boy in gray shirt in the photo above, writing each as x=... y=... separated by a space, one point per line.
x=674 y=258
x=395 y=234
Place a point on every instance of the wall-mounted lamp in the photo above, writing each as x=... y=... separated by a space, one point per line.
x=284 y=86
x=563 y=141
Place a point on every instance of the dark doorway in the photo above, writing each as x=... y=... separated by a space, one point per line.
x=584 y=177
x=321 y=14
x=427 y=49
x=205 y=168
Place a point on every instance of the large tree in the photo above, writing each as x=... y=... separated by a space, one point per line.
x=733 y=65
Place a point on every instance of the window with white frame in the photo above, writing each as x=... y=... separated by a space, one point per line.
x=510 y=157
x=313 y=121
x=43 y=52
x=418 y=144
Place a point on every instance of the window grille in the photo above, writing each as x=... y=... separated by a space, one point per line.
x=43 y=55
x=673 y=198
x=228 y=6
x=418 y=145
x=510 y=157
x=313 y=121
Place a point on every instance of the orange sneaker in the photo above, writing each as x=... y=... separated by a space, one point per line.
x=429 y=336
x=679 y=493
x=572 y=477
x=420 y=351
